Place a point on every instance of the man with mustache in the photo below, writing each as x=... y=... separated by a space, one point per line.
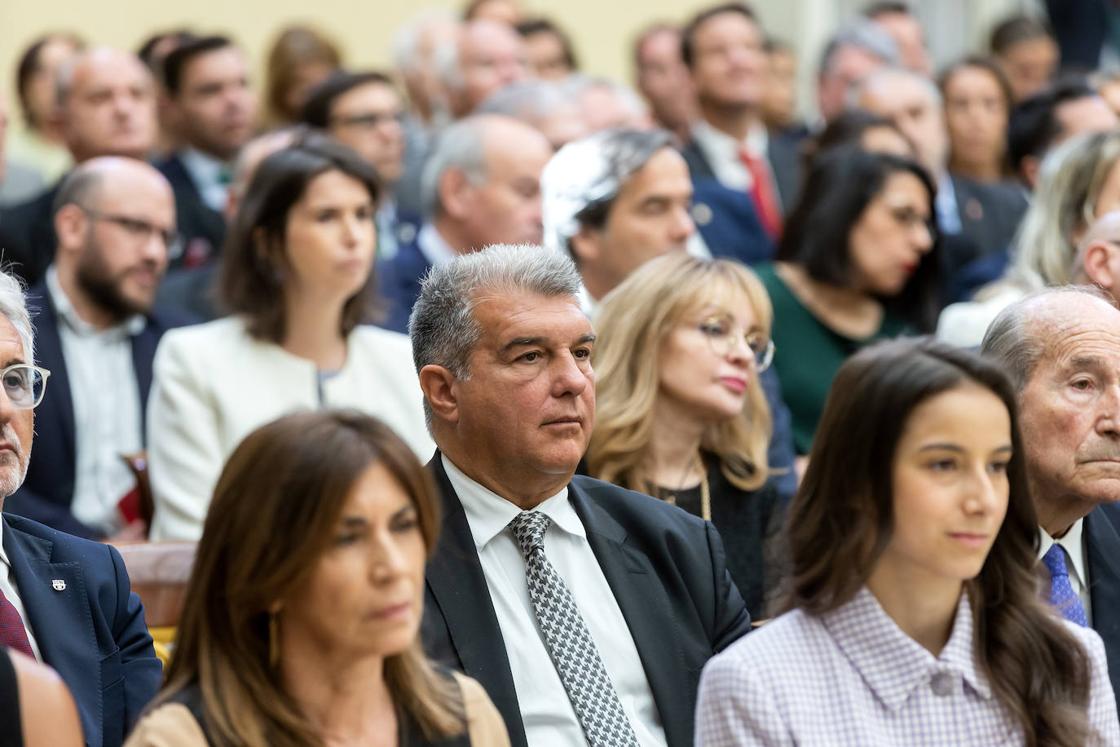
x=1061 y=348
x=115 y=221
x=64 y=601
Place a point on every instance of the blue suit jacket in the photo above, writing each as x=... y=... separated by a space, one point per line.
x=1102 y=550
x=48 y=488
x=88 y=624
x=398 y=284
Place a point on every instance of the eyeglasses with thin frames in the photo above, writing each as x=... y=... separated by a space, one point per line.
x=140 y=230
x=24 y=384
x=723 y=336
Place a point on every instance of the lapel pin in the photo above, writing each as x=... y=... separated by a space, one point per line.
x=58 y=584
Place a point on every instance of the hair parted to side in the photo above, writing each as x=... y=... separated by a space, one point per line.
x=633 y=323
x=843 y=516
x=13 y=307
x=299 y=471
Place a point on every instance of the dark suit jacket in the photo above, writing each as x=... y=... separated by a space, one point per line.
x=666 y=569
x=88 y=624
x=990 y=213
x=783 y=154
x=27 y=237
x=49 y=486
x=398 y=284
x=728 y=222
x=202 y=228
x=1102 y=550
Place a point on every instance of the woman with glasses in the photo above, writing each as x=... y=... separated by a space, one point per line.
x=857 y=263
x=297 y=273
x=680 y=413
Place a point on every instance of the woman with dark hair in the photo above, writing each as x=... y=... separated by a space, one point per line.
x=977 y=105
x=301 y=619
x=914 y=609
x=859 y=127
x=857 y=263
x=297 y=274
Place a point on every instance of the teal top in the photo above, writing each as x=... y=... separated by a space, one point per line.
x=807 y=354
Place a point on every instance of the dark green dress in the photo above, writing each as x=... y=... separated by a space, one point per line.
x=808 y=354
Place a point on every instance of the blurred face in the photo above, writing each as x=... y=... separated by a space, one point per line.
x=907 y=34
x=706 y=361
x=330 y=237
x=16 y=425
x=41 y=87
x=976 y=116
x=306 y=76
x=368 y=119
x=779 y=102
x=1030 y=66
x=491 y=56
x=949 y=489
x=849 y=66
x=892 y=235
x=1088 y=114
x=215 y=107
x=111 y=108
x=371 y=577
x=545 y=52
x=911 y=106
x=664 y=80
x=729 y=66
x=886 y=140
x=604 y=108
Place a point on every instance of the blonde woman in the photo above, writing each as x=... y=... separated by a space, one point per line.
x=680 y=411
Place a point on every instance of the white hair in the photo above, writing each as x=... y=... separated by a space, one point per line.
x=460 y=146
x=406 y=41
x=13 y=307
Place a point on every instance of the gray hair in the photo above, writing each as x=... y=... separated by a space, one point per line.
x=443 y=328
x=862 y=34
x=13 y=307
x=885 y=74
x=527 y=100
x=460 y=146
x=448 y=64
x=576 y=84
x=406 y=41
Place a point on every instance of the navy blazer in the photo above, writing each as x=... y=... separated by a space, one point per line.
x=1102 y=550
x=203 y=229
x=88 y=624
x=398 y=283
x=48 y=489
x=665 y=567
x=27 y=237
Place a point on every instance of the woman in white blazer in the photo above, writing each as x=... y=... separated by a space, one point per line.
x=297 y=275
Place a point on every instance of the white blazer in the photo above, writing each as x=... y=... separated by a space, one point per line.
x=213 y=384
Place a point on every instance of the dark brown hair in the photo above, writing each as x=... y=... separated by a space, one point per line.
x=842 y=518
x=274 y=513
x=688 y=32
x=295 y=47
x=29 y=65
x=254 y=260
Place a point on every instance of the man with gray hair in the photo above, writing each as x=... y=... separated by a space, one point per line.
x=1061 y=348
x=853 y=53
x=481 y=186
x=64 y=601
x=485 y=56
x=547 y=106
x=586 y=611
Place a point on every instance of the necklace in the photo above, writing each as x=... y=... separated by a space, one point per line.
x=705 y=493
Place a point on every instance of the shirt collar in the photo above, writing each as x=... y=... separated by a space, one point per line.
x=488 y=514
x=1071 y=543
x=203 y=168
x=718 y=142
x=433 y=246
x=3 y=552
x=130 y=327
x=892 y=663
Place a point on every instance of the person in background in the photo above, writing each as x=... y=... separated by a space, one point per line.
x=606 y=104
x=977 y=104
x=546 y=106
x=297 y=276
x=548 y=48
x=299 y=58
x=17 y=182
x=1025 y=48
x=898 y=19
x=36 y=710
x=869 y=131
x=850 y=55
x=913 y=609
x=152 y=52
x=485 y=56
x=1098 y=256
x=508 y=12
x=40 y=144
x=779 y=101
x=662 y=78
x=681 y=413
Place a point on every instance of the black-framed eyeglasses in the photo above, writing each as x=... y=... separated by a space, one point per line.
x=369 y=120
x=140 y=229
x=723 y=337
x=24 y=384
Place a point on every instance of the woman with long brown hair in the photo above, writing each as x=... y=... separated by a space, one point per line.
x=301 y=619
x=915 y=615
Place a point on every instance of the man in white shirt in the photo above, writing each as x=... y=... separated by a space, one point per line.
x=1061 y=348
x=585 y=610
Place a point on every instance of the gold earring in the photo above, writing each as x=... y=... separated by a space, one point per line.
x=273 y=641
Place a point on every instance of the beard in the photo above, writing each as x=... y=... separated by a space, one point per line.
x=104 y=287
x=13 y=464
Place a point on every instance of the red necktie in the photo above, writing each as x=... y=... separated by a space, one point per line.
x=763 y=194
x=12 y=633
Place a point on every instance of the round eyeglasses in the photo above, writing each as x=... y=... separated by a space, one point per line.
x=24 y=384
x=723 y=337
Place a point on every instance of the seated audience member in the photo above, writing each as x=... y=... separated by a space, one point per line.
x=849 y=56
x=544 y=105
x=97 y=333
x=152 y=52
x=779 y=98
x=899 y=21
x=64 y=601
x=1080 y=181
x=36 y=710
x=364 y=111
x=39 y=144
x=1098 y=255
x=977 y=106
x=662 y=78
x=858 y=262
x=256 y=662
x=868 y=131
x=299 y=59
x=1025 y=48
x=481 y=186
x=548 y=49
x=106 y=103
x=606 y=104
x=1061 y=349
x=484 y=56
x=681 y=413
x=18 y=183
x=213 y=113
x=585 y=610
x=913 y=607
x=297 y=275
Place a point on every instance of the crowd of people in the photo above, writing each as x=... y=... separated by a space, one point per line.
x=505 y=404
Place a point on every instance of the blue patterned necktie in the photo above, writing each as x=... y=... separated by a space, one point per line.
x=569 y=642
x=1062 y=595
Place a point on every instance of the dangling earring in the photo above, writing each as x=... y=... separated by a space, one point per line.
x=273 y=641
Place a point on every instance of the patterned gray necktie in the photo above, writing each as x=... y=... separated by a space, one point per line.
x=569 y=642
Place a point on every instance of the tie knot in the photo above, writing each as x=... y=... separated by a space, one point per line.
x=1055 y=561
x=529 y=528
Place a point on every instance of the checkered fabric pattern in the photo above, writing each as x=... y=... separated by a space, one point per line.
x=1062 y=595
x=569 y=642
x=852 y=677
x=12 y=633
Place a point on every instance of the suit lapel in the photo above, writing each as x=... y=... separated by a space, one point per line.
x=1102 y=549
x=648 y=614
x=143 y=355
x=458 y=585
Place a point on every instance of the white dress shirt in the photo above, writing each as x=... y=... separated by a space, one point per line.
x=8 y=586
x=722 y=153
x=108 y=419
x=1075 y=561
x=434 y=247
x=546 y=711
x=206 y=173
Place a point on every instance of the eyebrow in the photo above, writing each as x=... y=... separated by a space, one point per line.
x=353 y=522
x=1081 y=362
x=520 y=342
x=13 y=362
x=955 y=448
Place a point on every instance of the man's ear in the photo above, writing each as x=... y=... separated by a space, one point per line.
x=438 y=385
x=70 y=225
x=1096 y=264
x=585 y=245
x=454 y=193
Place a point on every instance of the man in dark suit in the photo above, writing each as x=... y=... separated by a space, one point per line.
x=97 y=335
x=63 y=600
x=1061 y=348
x=106 y=101
x=585 y=610
x=214 y=110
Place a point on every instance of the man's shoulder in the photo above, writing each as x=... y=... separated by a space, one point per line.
x=631 y=508
x=64 y=546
